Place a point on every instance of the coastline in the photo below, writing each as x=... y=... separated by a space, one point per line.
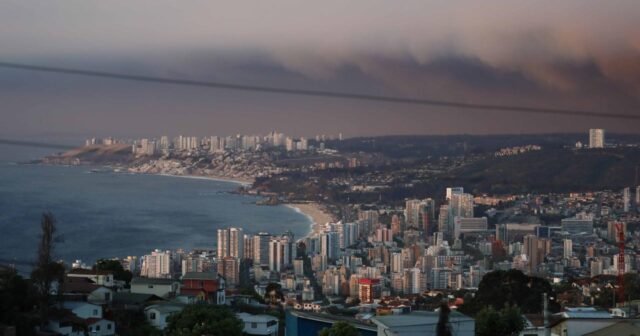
x=316 y=213
x=242 y=182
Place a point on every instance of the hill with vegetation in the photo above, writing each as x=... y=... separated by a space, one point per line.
x=554 y=170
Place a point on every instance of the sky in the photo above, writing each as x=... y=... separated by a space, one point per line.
x=571 y=54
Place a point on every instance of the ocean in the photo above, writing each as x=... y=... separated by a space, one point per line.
x=106 y=215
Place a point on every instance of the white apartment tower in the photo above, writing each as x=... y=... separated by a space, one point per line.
x=230 y=243
x=596 y=138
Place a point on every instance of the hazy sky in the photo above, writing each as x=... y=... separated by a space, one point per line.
x=575 y=54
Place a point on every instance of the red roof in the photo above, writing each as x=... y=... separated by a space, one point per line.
x=369 y=281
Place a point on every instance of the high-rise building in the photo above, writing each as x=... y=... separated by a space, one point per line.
x=395 y=225
x=330 y=245
x=158 y=264
x=577 y=225
x=282 y=252
x=450 y=191
x=626 y=199
x=536 y=249
x=420 y=213
x=248 y=246
x=568 y=248
x=261 y=248
x=469 y=225
x=412 y=281
x=370 y=289
x=230 y=243
x=396 y=262
x=350 y=234
x=440 y=277
x=229 y=268
x=596 y=138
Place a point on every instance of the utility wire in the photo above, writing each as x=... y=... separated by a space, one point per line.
x=320 y=93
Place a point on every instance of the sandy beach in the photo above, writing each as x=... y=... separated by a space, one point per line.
x=316 y=213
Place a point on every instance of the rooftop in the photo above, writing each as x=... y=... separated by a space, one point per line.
x=167 y=307
x=418 y=318
x=152 y=281
x=256 y=318
x=200 y=276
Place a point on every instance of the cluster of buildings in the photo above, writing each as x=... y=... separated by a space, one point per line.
x=216 y=144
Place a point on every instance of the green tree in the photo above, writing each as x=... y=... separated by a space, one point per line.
x=339 y=329
x=506 y=322
x=199 y=320
x=133 y=323
x=512 y=288
x=16 y=302
x=114 y=266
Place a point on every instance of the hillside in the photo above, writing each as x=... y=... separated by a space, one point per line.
x=557 y=170
x=118 y=153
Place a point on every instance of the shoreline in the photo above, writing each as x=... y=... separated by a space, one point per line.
x=316 y=214
x=242 y=182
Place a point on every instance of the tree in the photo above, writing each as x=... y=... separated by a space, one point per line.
x=339 y=329
x=273 y=293
x=506 y=322
x=133 y=323
x=199 y=320
x=16 y=302
x=114 y=266
x=46 y=271
x=512 y=288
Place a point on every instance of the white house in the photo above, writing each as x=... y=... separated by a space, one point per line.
x=158 y=314
x=88 y=291
x=102 y=278
x=83 y=310
x=161 y=287
x=259 y=324
x=85 y=315
x=67 y=326
x=100 y=327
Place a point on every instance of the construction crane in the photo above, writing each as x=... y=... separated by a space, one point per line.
x=621 y=268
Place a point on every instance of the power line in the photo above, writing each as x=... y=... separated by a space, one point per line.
x=320 y=93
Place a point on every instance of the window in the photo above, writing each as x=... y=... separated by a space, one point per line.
x=108 y=326
x=254 y=325
x=107 y=296
x=152 y=315
x=95 y=312
x=150 y=286
x=98 y=328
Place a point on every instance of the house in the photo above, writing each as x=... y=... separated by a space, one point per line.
x=100 y=327
x=204 y=286
x=158 y=314
x=422 y=323
x=163 y=288
x=134 y=301
x=68 y=325
x=265 y=325
x=82 y=316
x=84 y=289
x=580 y=321
x=243 y=299
x=620 y=328
x=83 y=310
x=102 y=278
